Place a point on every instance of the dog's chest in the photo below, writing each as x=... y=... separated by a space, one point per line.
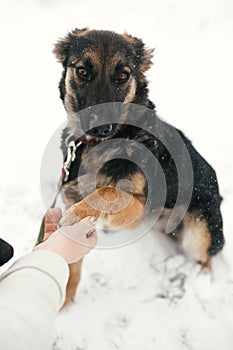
x=112 y=163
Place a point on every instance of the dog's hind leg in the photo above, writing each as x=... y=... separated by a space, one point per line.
x=196 y=239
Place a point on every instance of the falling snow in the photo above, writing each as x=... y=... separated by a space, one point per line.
x=143 y=296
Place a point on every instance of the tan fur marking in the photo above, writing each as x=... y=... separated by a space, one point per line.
x=83 y=32
x=196 y=238
x=147 y=53
x=128 y=37
x=78 y=63
x=132 y=91
x=139 y=183
x=146 y=59
x=115 y=207
x=69 y=76
x=94 y=57
x=112 y=62
x=69 y=92
x=74 y=279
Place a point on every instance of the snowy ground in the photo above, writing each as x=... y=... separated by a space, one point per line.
x=142 y=296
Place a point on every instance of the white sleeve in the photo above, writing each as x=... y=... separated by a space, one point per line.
x=31 y=293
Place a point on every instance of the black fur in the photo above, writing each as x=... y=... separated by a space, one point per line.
x=206 y=200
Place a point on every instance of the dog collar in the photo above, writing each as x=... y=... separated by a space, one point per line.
x=70 y=158
x=66 y=175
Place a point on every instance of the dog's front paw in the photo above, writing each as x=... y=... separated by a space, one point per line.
x=69 y=218
x=70 y=294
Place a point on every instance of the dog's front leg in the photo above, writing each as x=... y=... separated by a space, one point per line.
x=126 y=211
x=73 y=282
x=71 y=217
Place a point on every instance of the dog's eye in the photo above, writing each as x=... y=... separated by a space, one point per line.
x=82 y=73
x=122 y=77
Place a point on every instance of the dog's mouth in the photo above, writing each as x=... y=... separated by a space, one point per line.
x=101 y=122
x=99 y=133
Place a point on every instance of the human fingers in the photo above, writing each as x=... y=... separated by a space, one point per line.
x=83 y=232
x=52 y=217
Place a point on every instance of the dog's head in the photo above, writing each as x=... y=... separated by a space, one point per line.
x=101 y=67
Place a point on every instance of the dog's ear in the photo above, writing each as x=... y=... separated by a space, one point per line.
x=143 y=54
x=146 y=59
x=62 y=47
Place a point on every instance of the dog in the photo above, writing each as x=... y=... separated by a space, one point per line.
x=102 y=67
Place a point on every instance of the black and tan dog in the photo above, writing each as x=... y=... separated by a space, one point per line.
x=101 y=67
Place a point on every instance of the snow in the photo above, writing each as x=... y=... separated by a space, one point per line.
x=143 y=296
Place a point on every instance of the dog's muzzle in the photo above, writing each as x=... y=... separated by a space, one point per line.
x=102 y=131
x=97 y=124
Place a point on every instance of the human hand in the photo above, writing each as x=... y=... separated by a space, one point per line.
x=52 y=218
x=71 y=242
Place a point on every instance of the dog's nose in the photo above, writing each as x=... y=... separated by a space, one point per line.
x=101 y=131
